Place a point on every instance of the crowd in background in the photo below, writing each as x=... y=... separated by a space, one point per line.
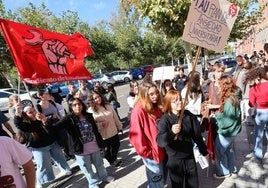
x=168 y=120
x=218 y=102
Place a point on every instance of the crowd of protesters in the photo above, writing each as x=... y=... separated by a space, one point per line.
x=166 y=124
x=54 y=135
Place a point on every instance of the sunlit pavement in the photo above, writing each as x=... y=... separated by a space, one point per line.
x=132 y=173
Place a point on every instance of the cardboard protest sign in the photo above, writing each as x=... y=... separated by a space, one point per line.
x=209 y=23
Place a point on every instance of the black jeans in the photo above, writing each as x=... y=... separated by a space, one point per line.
x=182 y=172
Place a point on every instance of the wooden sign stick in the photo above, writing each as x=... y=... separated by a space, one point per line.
x=188 y=88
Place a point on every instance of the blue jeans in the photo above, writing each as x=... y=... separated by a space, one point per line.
x=42 y=157
x=224 y=154
x=85 y=163
x=155 y=173
x=115 y=109
x=261 y=120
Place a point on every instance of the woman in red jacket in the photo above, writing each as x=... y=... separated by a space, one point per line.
x=258 y=97
x=143 y=132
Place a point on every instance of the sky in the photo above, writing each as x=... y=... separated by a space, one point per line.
x=90 y=11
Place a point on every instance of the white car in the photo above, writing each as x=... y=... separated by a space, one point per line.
x=6 y=92
x=122 y=76
x=104 y=79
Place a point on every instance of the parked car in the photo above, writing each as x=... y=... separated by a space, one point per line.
x=6 y=92
x=104 y=79
x=121 y=76
x=137 y=73
x=147 y=69
x=228 y=61
x=64 y=87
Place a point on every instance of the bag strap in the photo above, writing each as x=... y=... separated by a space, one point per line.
x=51 y=102
x=54 y=104
x=39 y=108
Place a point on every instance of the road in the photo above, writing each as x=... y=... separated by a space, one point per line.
x=122 y=92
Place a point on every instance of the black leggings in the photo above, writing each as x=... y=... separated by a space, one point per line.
x=112 y=144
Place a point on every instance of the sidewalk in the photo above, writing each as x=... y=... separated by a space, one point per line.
x=132 y=172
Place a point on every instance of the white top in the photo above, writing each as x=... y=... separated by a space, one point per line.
x=12 y=155
x=131 y=101
x=193 y=105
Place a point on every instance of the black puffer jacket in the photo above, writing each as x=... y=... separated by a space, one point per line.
x=71 y=124
x=190 y=132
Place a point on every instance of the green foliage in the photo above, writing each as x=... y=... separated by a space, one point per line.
x=36 y=16
x=68 y=23
x=104 y=49
x=122 y=43
x=247 y=18
x=164 y=16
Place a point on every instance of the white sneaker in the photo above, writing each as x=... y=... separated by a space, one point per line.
x=109 y=179
x=222 y=176
x=64 y=173
x=38 y=185
x=94 y=186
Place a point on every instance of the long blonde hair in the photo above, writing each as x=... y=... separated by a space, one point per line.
x=11 y=99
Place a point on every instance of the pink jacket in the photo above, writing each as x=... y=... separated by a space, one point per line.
x=143 y=132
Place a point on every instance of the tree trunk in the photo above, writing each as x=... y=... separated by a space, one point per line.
x=189 y=55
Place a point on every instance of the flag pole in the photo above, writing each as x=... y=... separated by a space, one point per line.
x=18 y=88
x=188 y=89
x=31 y=97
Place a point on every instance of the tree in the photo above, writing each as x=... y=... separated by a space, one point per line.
x=247 y=18
x=104 y=48
x=68 y=23
x=6 y=62
x=164 y=17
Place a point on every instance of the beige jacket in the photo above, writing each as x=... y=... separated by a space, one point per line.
x=107 y=121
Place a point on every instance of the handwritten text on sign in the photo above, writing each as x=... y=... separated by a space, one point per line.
x=209 y=23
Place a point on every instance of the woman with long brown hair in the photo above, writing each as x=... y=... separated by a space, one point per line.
x=108 y=124
x=166 y=86
x=85 y=142
x=228 y=121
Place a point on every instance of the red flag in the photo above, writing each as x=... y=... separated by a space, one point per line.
x=42 y=56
